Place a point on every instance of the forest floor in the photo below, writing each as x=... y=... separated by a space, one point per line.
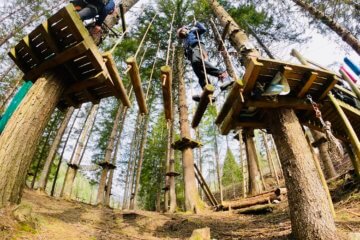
x=52 y=218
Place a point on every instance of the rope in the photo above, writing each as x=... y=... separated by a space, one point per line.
x=224 y=47
x=142 y=57
x=168 y=49
x=143 y=39
x=152 y=72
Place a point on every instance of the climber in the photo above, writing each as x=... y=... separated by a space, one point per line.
x=89 y=9
x=192 y=52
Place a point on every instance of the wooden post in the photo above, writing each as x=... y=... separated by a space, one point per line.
x=350 y=132
x=166 y=78
x=115 y=76
x=204 y=102
x=134 y=75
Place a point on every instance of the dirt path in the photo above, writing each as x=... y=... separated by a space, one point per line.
x=59 y=219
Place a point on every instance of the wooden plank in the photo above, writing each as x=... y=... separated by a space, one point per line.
x=251 y=74
x=234 y=94
x=349 y=108
x=134 y=75
x=204 y=102
x=311 y=78
x=116 y=79
x=90 y=96
x=247 y=124
x=329 y=87
x=56 y=61
x=12 y=54
x=166 y=85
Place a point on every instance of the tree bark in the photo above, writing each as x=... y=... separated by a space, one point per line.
x=310 y=213
x=271 y=162
x=217 y=159
x=325 y=157
x=344 y=33
x=75 y=160
x=42 y=151
x=108 y=152
x=139 y=165
x=193 y=201
x=22 y=133
x=172 y=192
x=111 y=174
x=133 y=145
x=52 y=152
x=254 y=177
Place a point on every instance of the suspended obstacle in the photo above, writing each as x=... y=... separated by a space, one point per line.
x=166 y=83
x=184 y=143
x=134 y=74
x=204 y=102
x=201 y=180
x=302 y=80
x=63 y=43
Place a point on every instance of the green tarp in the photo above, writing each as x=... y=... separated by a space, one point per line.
x=15 y=102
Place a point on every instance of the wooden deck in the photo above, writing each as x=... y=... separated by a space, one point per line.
x=62 y=42
x=244 y=109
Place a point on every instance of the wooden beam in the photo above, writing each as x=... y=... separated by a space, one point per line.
x=349 y=108
x=349 y=130
x=120 y=91
x=282 y=102
x=89 y=96
x=59 y=59
x=204 y=102
x=248 y=124
x=225 y=31
x=166 y=85
x=329 y=87
x=97 y=80
x=134 y=75
x=311 y=78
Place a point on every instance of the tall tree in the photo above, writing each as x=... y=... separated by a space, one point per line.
x=54 y=147
x=296 y=157
x=344 y=33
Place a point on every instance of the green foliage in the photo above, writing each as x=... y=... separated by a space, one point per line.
x=231 y=170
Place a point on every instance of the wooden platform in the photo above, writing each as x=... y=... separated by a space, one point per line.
x=185 y=143
x=250 y=111
x=62 y=42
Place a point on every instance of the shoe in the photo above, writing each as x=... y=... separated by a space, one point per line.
x=197 y=98
x=226 y=84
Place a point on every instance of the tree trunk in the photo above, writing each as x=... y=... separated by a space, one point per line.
x=139 y=165
x=43 y=148
x=172 y=192
x=107 y=157
x=254 y=177
x=22 y=133
x=52 y=152
x=61 y=155
x=193 y=201
x=259 y=167
x=75 y=161
x=277 y=156
x=344 y=33
x=242 y=159
x=271 y=162
x=310 y=213
x=111 y=174
x=325 y=157
x=131 y=159
x=218 y=172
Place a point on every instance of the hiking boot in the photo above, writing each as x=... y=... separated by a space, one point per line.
x=226 y=84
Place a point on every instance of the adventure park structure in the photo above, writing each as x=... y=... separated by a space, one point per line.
x=67 y=69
